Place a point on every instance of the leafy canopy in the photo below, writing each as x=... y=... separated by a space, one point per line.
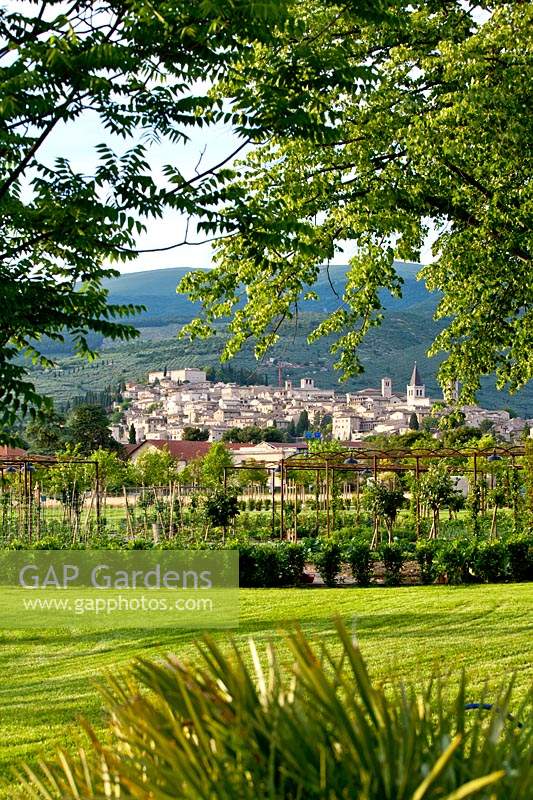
x=133 y=65
x=373 y=128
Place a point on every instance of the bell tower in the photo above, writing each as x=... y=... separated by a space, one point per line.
x=416 y=390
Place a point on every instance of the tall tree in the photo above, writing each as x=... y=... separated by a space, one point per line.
x=372 y=133
x=303 y=423
x=46 y=435
x=273 y=435
x=215 y=464
x=414 y=425
x=88 y=428
x=191 y=434
x=154 y=468
x=132 y=435
x=134 y=66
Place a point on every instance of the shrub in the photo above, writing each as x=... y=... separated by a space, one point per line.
x=140 y=543
x=359 y=557
x=258 y=566
x=328 y=561
x=520 y=553
x=307 y=525
x=425 y=555
x=267 y=568
x=291 y=562
x=269 y=565
x=230 y=727
x=490 y=561
x=454 y=560
x=393 y=559
x=247 y=564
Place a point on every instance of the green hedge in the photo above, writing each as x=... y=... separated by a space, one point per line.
x=270 y=565
x=459 y=560
x=467 y=560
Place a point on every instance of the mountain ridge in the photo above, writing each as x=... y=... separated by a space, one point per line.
x=405 y=335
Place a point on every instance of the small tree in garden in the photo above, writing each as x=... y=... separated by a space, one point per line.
x=254 y=473
x=69 y=481
x=215 y=464
x=155 y=468
x=112 y=471
x=516 y=497
x=473 y=504
x=220 y=508
x=383 y=503
x=496 y=498
x=436 y=489
x=132 y=435
x=456 y=502
x=528 y=477
x=112 y=475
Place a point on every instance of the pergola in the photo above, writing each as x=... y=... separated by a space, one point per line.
x=25 y=467
x=369 y=462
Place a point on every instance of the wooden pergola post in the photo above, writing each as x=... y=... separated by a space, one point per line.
x=417 y=503
x=328 y=521
x=282 y=499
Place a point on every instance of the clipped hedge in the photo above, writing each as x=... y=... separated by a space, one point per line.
x=328 y=561
x=359 y=557
x=270 y=565
x=393 y=561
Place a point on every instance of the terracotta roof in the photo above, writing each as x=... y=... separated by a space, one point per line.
x=12 y=452
x=181 y=450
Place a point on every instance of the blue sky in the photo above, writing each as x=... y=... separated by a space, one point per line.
x=77 y=140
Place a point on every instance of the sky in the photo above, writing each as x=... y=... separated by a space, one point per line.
x=76 y=141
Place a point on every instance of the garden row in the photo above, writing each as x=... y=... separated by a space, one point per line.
x=337 y=559
x=456 y=561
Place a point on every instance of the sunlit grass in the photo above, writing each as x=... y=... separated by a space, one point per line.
x=47 y=678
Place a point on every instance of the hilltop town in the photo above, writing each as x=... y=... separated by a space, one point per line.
x=175 y=400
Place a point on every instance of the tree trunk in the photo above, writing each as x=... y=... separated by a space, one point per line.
x=493 y=531
x=129 y=525
x=376 y=536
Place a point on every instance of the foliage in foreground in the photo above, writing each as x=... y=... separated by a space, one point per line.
x=320 y=729
x=365 y=149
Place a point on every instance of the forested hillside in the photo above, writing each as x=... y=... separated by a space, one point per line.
x=405 y=336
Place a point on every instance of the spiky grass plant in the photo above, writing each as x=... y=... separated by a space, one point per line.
x=223 y=730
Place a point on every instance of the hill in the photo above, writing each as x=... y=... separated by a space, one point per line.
x=390 y=350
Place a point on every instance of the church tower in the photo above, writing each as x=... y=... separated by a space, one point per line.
x=416 y=390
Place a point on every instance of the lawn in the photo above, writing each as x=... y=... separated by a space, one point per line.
x=48 y=677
